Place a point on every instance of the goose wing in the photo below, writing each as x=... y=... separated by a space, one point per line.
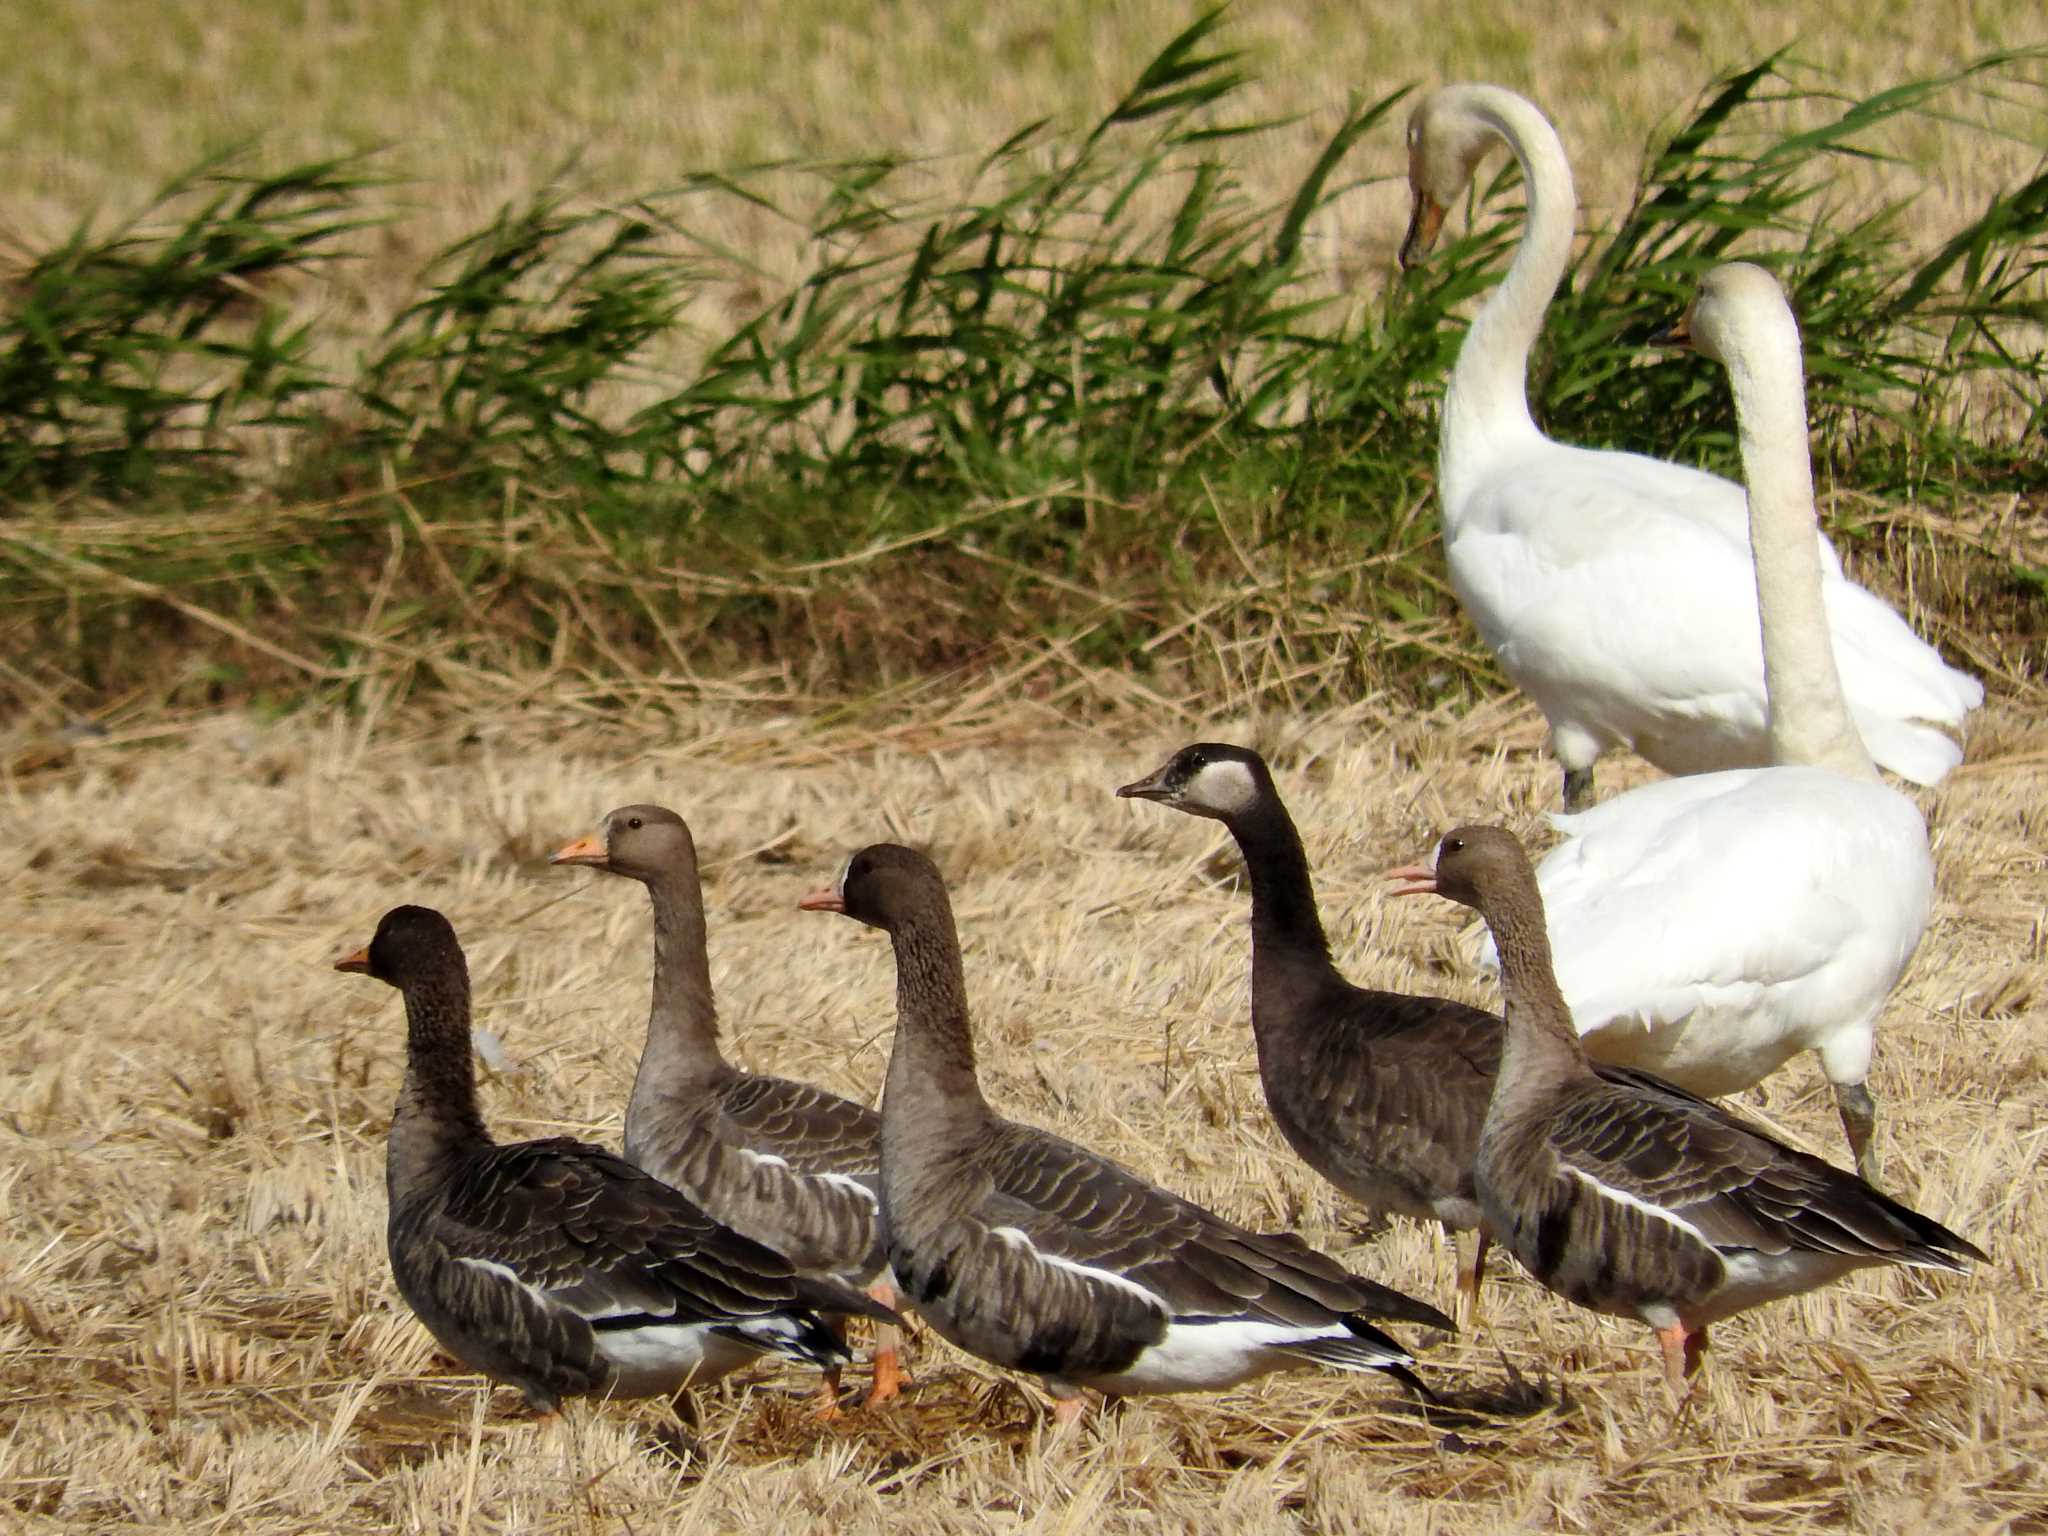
x=814 y=1131
x=1732 y=1184
x=1078 y=1210
x=587 y=1231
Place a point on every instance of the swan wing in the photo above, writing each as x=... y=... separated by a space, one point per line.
x=1736 y=891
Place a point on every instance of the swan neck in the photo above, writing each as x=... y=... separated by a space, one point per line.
x=1486 y=407
x=1810 y=723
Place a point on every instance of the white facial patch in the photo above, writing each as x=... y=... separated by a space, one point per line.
x=1225 y=786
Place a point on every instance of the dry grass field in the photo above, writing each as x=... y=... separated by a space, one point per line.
x=197 y=1324
x=480 y=104
x=198 y=1330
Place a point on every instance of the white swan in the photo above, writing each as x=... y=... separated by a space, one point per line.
x=1708 y=929
x=1614 y=589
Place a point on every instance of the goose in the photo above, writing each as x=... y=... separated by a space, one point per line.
x=1614 y=589
x=789 y=1165
x=1379 y=1092
x=1041 y=1256
x=1676 y=958
x=1639 y=1200
x=554 y=1266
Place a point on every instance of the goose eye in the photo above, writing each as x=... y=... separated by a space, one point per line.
x=634 y=822
x=1454 y=845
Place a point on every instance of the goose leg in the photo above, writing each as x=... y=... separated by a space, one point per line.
x=1859 y=1122
x=889 y=1377
x=825 y=1406
x=1471 y=1272
x=1068 y=1410
x=1681 y=1359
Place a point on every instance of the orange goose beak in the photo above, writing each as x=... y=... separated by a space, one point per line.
x=585 y=850
x=1420 y=877
x=359 y=961
x=823 y=899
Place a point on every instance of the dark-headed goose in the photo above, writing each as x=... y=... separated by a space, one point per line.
x=1042 y=1256
x=553 y=1265
x=788 y=1164
x=1637 y=1199
x=1379 y=1092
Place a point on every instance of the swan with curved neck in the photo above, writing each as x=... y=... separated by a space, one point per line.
x=1613 y=588
x=1708 y=929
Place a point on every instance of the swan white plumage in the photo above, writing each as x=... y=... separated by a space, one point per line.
x=1708 y=929
x=1614 y=589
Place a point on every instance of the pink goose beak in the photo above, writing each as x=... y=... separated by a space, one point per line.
x=1420 y=877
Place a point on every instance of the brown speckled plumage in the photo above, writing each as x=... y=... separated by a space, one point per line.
x=1636 y=1198
x=788 y=1164
x=1043 y=1256
x=553 y=1265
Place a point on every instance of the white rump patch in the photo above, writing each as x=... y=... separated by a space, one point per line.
x=664 y=1357
x=1203 y=1356
x=1225 y=785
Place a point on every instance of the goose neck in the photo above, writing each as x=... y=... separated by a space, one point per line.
x=1540 y=1045
x=682 y=1018
x=436 y=1116
x=1486 y=406
x=931 y=1092
x=1285 y=921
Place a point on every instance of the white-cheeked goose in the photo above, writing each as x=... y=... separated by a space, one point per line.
x=1640 y=1200
x=1381 y=1093
x=555 y=1266
x=788 y=1164
x=1042 y=1256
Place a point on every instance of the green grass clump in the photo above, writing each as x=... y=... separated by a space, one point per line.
x=1100 y=398
x=131 y=356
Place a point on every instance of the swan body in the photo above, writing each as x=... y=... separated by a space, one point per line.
x=1708 y=929
x=1613 y=588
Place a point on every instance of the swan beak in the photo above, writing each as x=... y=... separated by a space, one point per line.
x=358 y=962
x=1423 y=224
x=1420 y=877
x=1151 y=787
x=585 y=850
x=1677 y=334
x=823 y=899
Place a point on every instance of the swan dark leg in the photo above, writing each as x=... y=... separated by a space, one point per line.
x=1578 y=788
x=1859 y=1121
